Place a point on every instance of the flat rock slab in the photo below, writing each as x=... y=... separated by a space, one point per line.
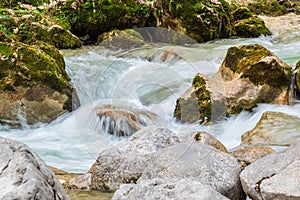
x=274 y=129
x=23 y=175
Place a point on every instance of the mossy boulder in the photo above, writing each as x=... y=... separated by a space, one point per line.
x=249 y=74
x=31 y=26
x=251 y=27
x=121 y=39
x=34 y=86
x=252 y=74
x=267 y=7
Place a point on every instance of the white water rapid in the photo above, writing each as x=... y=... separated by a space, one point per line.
x=140 y=80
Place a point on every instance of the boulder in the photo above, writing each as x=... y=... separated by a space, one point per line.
x=167 y=189
x=34 y=86
x=121 y=120
x=249 y=154
x=274 y=128
x=267 y=7
x=121 y=39
x=209 y=166
x=28 y=25
x=125 y=162
x=275 y=176
x=23 y=175
x=204 y=138
x=250 y=74
x=203 y=102
x=251 y=27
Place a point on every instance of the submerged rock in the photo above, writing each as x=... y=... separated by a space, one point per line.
x=168 y=189
x=120 y=120
x=275 y=176
x=34 y=86
x=274 y=128
x=23 y=175
x=207 y=165
x=249 y=74
x=249 y=154
x=126 y=162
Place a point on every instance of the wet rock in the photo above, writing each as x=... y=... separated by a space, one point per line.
x=126 y=39
x=167 y=189
x=252 y=74
x=125 y=162
x=274 y=128
x=23 y=175
x=208 y=165
x=249 y=154
x=275 y=176
x=203 y=102
x=34 y=86
x=121 y=120
x=204 y=138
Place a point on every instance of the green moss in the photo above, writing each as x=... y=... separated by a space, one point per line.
x=203 y=97
x=248 y=61
x=251 y=27
x=269 y=7
x=29 y=66
x=241 y=13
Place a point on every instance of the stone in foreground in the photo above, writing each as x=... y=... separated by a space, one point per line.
x=126 y=162
x=208 y=165
x=275 y=176
x=23 y=175
x=168 y=189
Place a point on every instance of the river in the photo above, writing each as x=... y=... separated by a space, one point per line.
x=101 y=76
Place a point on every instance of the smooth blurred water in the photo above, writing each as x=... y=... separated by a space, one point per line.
x=139 y=78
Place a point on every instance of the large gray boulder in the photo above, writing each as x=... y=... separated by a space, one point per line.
x=168 y=189
x=23 y=175
x=208 y=165
x=126 y=162
x=275 y=176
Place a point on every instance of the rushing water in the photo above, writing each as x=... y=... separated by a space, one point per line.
x=139 y=79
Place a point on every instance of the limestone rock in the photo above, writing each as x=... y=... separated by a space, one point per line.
x=208 y=165
x=274 y=128
x=249 y=154
x=275 y=176
x=167 y=189
x=126 y=162
x=23 y=175
x=204 y=138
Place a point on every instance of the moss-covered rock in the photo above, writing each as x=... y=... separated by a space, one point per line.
x=267 y=7
x=195 y=104
x=241 y=13
x=34 y=86
x=125 y=39
x=251 y=27
x=252 y=74
x=32 y=26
